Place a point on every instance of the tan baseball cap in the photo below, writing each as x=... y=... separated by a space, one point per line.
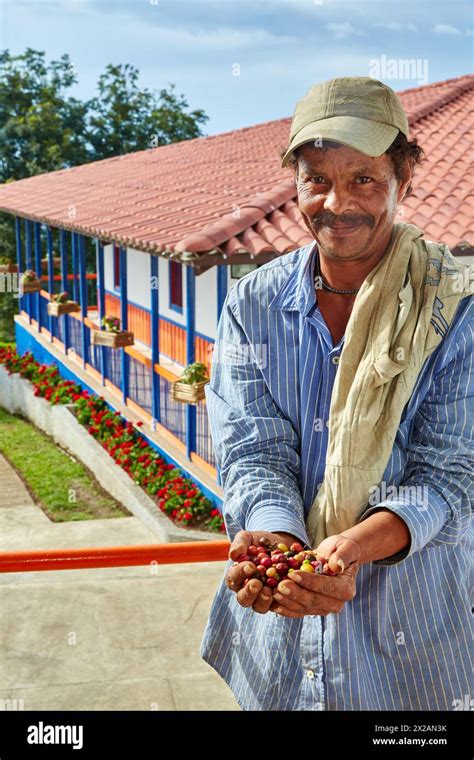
x=360 y=112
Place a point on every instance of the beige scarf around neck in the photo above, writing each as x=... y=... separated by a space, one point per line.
x=402 y=312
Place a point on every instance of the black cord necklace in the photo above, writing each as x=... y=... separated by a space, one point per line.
x=325 y=284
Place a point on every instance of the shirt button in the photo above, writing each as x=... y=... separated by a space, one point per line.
x=327 y=423
x=310 y=673
x=335 y=359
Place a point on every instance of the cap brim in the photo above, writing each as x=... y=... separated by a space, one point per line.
x=369 y=137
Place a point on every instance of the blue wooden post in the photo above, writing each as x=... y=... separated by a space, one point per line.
x=81 y=251
x=74 y=256
x=221 y=294
x=49 y=248
x=29 y=264
x=221 y=288
x=155 y=338
x=39 y=270
x=99 y=250
x=64 y=284
x=124 y=319
x=18 y=256
x=190 y=335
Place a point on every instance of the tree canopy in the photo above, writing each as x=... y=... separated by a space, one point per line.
x=43 y=128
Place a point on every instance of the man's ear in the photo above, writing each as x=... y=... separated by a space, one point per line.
x=405 y=183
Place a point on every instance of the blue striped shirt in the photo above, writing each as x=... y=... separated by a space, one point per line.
x=404 y=642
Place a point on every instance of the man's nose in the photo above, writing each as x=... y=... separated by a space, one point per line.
x=337 y=200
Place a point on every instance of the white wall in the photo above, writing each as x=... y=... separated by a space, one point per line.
x=109 y=267
x=138 y=277
x=139 y=289
x=206 y=303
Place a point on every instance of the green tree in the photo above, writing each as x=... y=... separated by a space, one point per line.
x=41 y=129
x=125 y=118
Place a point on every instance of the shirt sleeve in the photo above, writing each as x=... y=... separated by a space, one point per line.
x=436 y=497
x=256 y=446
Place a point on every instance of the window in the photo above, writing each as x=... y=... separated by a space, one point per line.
x=116 y=267
x=176 y=286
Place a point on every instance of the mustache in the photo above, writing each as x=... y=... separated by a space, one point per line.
x=329 y=220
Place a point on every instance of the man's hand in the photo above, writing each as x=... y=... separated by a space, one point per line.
x=307 y=594
x=254 y=594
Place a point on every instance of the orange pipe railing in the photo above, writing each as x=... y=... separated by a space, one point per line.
x=114 y=556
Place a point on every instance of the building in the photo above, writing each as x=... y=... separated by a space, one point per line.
x=158 y=237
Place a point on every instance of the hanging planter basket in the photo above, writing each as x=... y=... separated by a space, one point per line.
x=189 y=393
x=31 y=286
x=10 y=267
x=56 y=263
x=112 y=339
x=30 y=282
x=56 y=309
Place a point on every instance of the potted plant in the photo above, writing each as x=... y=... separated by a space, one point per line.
x=7 y=265
x=45 y=262
x=190 y=386
x=30 y=282
x=112 y=336
x=60 y=304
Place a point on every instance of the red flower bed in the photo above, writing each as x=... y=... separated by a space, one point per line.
x=177 y=496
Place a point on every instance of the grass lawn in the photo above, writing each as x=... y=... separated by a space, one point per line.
x=60 y=485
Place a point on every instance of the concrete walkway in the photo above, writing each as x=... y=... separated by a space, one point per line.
x=111 y=639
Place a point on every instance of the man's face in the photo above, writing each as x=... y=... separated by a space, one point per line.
x=348 y=200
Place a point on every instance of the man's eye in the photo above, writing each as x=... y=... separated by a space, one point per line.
x=316 y=180
x=368 y=178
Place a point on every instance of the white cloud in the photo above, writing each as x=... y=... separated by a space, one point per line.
x=395 y=26
x=343 y=30
x=445 y=29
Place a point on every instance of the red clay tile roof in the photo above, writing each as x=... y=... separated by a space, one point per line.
x=227 y=194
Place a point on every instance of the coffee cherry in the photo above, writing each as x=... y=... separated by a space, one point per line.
x=296 y=547
x=275 y=561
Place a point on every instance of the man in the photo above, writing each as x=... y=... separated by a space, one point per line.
x=391 y=629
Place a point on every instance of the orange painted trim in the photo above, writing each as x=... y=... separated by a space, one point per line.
x=138 y=409
x=58 y=277
x=75 y=358
x=161 y=430
x=204 y=465
x=138 y=356
x=58 y=343
x=114 y=556
x=92 y=370
x=166 y=373
x=113 y=389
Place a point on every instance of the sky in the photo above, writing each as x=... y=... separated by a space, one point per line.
x=247 y=61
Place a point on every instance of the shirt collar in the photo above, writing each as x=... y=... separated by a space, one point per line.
x=297 y=292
